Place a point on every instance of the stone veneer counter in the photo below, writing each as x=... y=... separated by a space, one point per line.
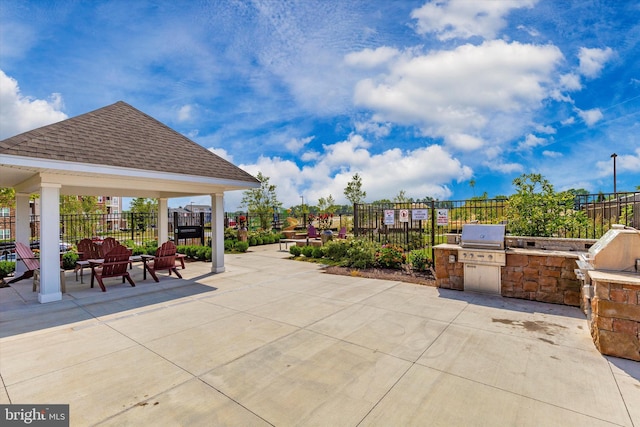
x=615 y=313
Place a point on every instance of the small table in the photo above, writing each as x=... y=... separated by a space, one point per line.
x=286 y=243
x=132 y=258
x=145 y=260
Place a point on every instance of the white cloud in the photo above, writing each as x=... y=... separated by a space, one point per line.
x=551 y=154
x=464 y=142
x=379 y=130
x=22 y=113
x=184 y=113
x=590 y=117
x=593 y=60
x=296 y=144
x=450 y=19
x=473 y=90
x=421 y=172
x=531 y=141
x=506 y=168
x=624 y=163
x=570 y=82
x=371 y=58
x=549 y=130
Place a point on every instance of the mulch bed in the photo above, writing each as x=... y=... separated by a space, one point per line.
x=425 y=278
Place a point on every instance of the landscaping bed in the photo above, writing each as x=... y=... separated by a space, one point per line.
x=425 y=278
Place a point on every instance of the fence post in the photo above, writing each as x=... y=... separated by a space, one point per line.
x=433 y=228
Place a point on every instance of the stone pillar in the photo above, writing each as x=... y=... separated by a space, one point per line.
x=49 y=243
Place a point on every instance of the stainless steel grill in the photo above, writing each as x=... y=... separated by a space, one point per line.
x=483 y=255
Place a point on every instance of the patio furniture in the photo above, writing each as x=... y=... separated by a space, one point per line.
x=114 y=264
x=342 y=234
x=312 y=233
x=25 y=254
x=164 y=259
x=106 y=246
x=87 y=249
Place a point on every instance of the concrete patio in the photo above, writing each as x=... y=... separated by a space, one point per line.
x=277 y=342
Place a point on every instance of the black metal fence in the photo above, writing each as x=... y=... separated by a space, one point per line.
x=424 y=224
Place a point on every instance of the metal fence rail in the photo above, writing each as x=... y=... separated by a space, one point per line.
x=394 y=223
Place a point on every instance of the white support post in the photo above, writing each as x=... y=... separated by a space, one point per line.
x=23 y=227
x=163 y=221
x=49 y=243
x=217 y=233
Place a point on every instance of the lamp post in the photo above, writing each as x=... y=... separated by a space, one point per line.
x=615 y=191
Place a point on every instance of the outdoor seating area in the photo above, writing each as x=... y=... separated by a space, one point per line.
x=248 y=347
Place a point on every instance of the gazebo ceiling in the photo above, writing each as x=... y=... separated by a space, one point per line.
x=116 y=150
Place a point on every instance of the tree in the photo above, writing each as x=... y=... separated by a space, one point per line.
x=537 y=210
x=142 y=209
x=472 y=184
x=261 y=201
x=7 y=197
x=401 y=197
x=353 y=191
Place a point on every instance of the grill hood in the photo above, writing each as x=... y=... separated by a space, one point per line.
x=482 y=236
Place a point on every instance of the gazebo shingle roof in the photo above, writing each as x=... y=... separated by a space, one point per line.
x=120 y=135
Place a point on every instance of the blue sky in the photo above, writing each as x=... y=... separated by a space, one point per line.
x=419 y=96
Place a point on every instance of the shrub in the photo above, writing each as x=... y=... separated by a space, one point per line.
x=69 y=260
x=228 y=244
x=181 y=249
x=230 y=233
x=241 y=246
x=317 y=252
x=138 y=250
x=295 y=250
x=361 y=254
x=252 y=241
x=207 y=253
x=307 y=251
x=259 y=241
x=390 y=256
x=202 y=253
x=336 y=250
x=419 y=259
x=6 y=268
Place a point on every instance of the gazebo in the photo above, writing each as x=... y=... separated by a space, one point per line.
x=116 y=150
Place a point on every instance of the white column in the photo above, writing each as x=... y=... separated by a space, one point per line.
x=49 y=243
x=163 y=221
x=217 y=233
x=23 y=226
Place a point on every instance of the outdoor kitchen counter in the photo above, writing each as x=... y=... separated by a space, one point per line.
x=621 y=277
x=615 y=313
x=542 y=252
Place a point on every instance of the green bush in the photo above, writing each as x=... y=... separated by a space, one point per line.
x=295 y=250
x=181 y=249
x=317 y=252
x=253 y=241
x=419 y=259
x=361 y=254
x=241 y=246
x=69 y=260
x=6 y=268
x=259 y=241
x=202 y=253
x=230 y=233
x=150 y=247
x=228 y=245
x=336 y=250
x=138 y=250
x=390 y=256
x=307 y=251
x=207 y=253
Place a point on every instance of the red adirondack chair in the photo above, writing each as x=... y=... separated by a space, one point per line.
x=165 y=259
x=87 y=249
x=115 y=264
x=25 y=254
x=342 y=234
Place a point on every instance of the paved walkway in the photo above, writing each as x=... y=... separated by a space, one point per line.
x=277 y=342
